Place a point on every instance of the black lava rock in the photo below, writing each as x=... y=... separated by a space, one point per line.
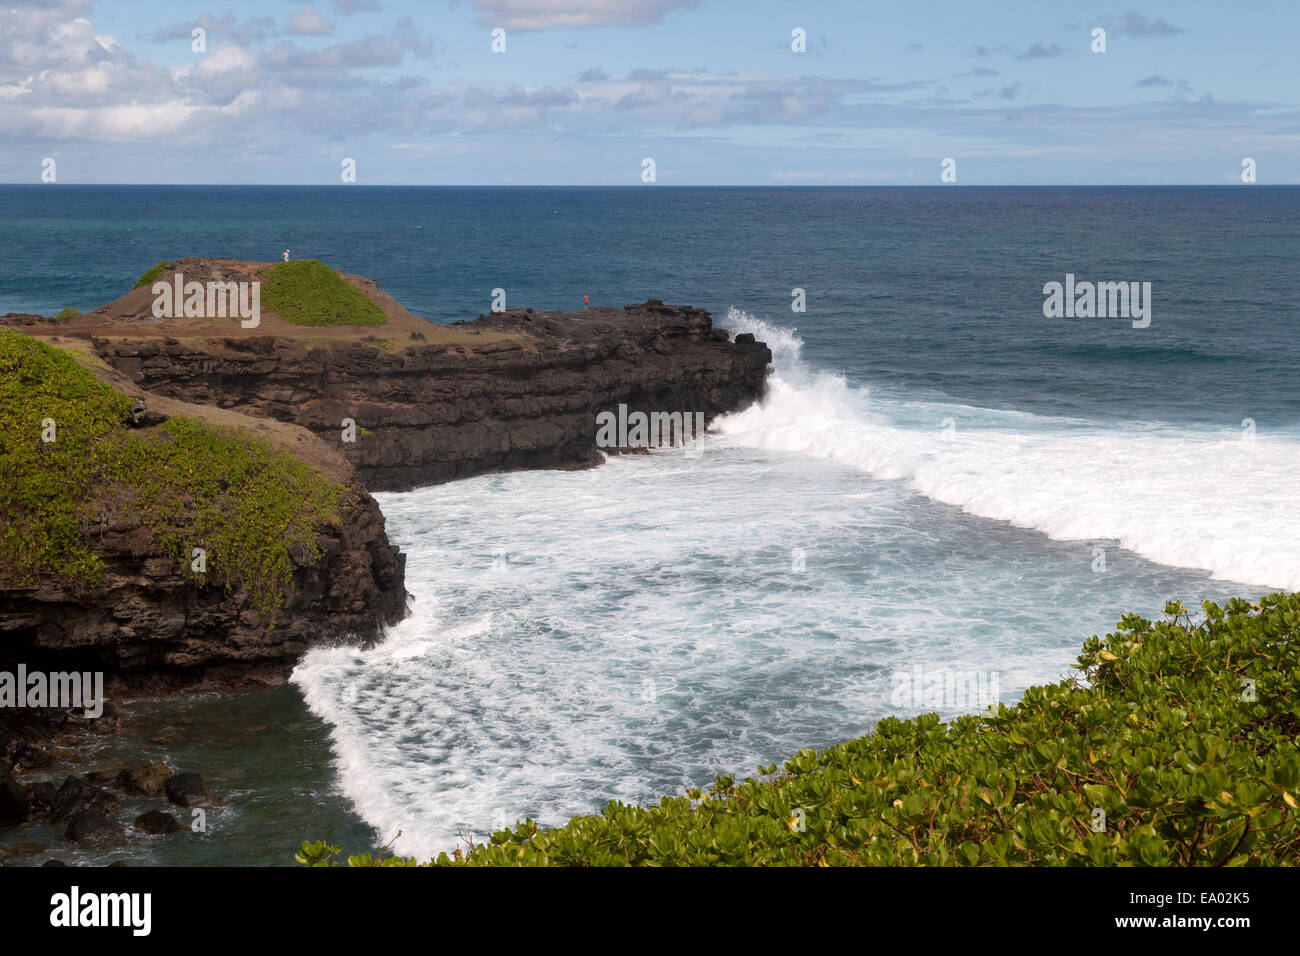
x=13 y=800
x=43 y=794
x=78 y=798
x=157 y=822
x=91 y=829
x=187 y=790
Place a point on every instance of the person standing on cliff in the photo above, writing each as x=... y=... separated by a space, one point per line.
x=585 y=300
x=285 y=255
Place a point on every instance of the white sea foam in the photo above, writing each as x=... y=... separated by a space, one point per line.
x=626 y=632
x=1185 y=498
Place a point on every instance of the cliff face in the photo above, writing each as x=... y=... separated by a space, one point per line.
x=429 y=403
x=147 y=624
x=513 y=390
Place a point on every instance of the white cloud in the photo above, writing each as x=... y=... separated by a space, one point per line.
x=307 y=22
x=111 y=124
x=545 y=14
x=224 y=59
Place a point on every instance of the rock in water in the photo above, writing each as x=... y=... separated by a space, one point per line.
x=147 y=781
x=13 y=801
x=187 y=790
x=157 y=822
x=93 y=830
x=77 y=798
x=42 y=795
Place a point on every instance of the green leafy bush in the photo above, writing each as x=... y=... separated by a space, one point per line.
x=1182 y=734
x=150 y=275
x=68 y=313
x=308 y=292
x=248 y=504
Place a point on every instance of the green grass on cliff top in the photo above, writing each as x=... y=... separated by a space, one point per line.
x=248 y=504
x=308 y=292
x=152 y=273
x=1180 y=747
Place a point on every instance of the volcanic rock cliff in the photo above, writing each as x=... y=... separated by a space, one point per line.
x=145 y=622
x=510 y=390
x=388 y=406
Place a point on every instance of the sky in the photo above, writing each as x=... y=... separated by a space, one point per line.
x=583 y=92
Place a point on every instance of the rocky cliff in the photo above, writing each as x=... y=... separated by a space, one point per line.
x=147 y=625
x=383 y=407
x=146 y=620
x=511 y=390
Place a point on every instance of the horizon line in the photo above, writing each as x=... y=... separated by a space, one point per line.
x=648 y=186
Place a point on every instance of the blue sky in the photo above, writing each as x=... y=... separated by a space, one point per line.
x=587 y=89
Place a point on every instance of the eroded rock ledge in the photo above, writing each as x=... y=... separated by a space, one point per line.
x=147 y=626
x=513 y=390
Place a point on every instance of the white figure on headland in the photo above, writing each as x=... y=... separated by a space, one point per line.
x=285 y=255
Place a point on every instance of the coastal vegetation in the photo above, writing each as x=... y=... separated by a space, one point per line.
x=150 y=274
x=308 y=292
x=70 y=462
x=1176 y=745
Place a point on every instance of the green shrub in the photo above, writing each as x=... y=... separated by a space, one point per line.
x=308 y=292
x=68 y=313
x=1183 y=734
x=150 y=275
x=248 y=504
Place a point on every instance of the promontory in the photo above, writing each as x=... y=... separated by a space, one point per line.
x=185 y=495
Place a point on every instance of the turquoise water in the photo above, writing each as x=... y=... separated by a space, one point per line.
x=262 y=755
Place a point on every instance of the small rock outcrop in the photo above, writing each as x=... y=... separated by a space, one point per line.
x=157 y=823
x=77 y=798
x=147 y=781
x=93 y=830
x=188 y=790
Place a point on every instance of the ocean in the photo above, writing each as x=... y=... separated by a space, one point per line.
x=944 y=493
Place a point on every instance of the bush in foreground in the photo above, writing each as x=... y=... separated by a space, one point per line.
x=1178 y=748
